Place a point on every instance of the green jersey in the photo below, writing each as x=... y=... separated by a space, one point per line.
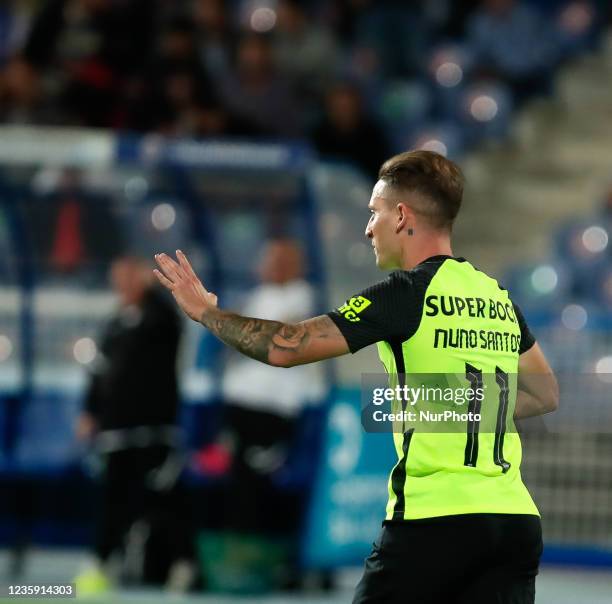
x=446 y=317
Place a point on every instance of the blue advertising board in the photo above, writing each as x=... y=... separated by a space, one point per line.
x=350 y=491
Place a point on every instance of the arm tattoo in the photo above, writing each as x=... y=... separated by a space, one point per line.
x=255 y=338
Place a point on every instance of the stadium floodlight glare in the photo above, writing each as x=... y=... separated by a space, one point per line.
x=544 y=279
x=574 y=317
x=263 y=19
x=6 y=348
x=84 y=351
x=483 y=108
x=163 y=216
x=595 y=239
x=449 y=74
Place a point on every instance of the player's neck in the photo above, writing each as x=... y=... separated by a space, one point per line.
x=415 y=254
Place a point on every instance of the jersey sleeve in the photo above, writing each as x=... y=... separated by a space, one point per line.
x=527 y=338
x=385 y=311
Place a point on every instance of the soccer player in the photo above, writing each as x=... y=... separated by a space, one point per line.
x=460 y=524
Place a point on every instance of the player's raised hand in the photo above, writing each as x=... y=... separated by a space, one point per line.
x=187 y=289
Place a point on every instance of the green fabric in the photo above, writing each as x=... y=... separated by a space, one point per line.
x=437 y=481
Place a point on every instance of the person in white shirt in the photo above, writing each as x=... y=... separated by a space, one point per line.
x=263 y=403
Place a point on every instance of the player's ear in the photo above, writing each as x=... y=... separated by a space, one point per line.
x=405 y=217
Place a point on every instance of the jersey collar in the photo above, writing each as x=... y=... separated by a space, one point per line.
x=442 y=257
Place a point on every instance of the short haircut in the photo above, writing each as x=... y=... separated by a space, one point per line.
x=437 y=181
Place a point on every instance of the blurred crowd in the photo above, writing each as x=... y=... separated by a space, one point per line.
x=327 y=70
x=575 y=282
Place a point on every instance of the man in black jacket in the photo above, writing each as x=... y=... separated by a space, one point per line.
x=130 y=410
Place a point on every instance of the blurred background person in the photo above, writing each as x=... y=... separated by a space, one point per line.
x=263 y=403
x=216 y=35
x=174 y=83
x=510 y=40
x=74 y=228
x=130 y=413
x=384 y=38
x=177 y=95
x=346 y=132
x=14 y=21
x=78 y=59
x=306 y=52
x=256 y=91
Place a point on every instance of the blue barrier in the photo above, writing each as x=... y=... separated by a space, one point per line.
x=350 y=491
x=577 y=556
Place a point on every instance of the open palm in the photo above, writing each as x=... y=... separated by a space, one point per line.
x=187 y=289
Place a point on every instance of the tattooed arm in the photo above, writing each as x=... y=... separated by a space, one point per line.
x=275 y=343
x=271 y=342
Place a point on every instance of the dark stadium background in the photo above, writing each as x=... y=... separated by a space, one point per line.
x=141 y=126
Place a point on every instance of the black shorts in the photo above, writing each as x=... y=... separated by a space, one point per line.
x=466 y=559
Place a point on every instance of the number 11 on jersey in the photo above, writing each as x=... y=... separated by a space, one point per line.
x=474 y=376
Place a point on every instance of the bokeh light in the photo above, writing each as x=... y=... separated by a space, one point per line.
x=603 y=369
x=84 y=350
x=544 y=279
x=483 y=108
x=433 y=144
x=263 y=19
x=449 y=74
x=595 y=239
x=163 y=216
x=574 y=317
